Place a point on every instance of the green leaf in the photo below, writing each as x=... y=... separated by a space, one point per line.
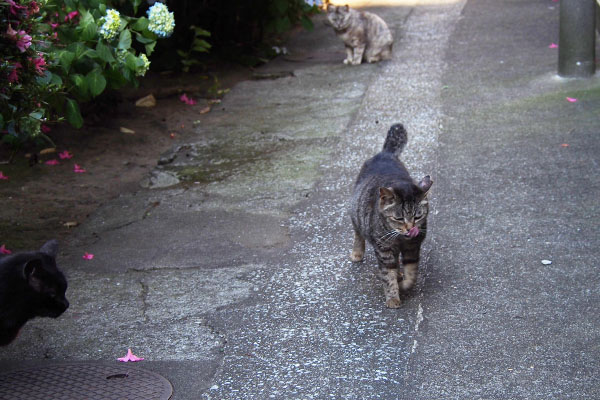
x=95 y=82
x=104 y=52
x=89 y=30
x=80 y=84
x=77 y=48
x=283 y=24
x=136 y=4
x=201 y=45
x=36 y=115
x=199 y=31
x=131 y=61
x=150 y=48
x=144 y=40
x=56 y=80
x=73 y=114
x=140 y=24
x=307 y=23
x=125 y=40
x=281 y=6
x=66 y=58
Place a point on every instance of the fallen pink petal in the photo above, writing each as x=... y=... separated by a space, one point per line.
x=187 y=100
x=3 y=177
x=4 y=250
x=130 y=357
x=65 y=155
x=52 y=162
x=88 y=256
x=571 y=99
x=78 y=169
x=553 y=46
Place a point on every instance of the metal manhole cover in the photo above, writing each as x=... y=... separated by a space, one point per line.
x=81 y=381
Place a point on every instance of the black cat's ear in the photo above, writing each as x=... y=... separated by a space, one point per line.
x=50 y=248
x=425 y=184
x=386 y=197
x=30 y=268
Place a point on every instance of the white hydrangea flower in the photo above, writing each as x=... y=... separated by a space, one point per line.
x=161 y=21
x=110 y=28
x=141 y=71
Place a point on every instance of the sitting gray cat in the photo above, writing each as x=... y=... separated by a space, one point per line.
x=389 y=210
x=366 y=36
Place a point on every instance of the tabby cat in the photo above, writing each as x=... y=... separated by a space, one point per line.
x=389 y=210
x=30 y=286
x=366 y=35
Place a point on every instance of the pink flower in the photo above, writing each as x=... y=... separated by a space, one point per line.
x=45 y=128
x=4 y=250
x=54 y=25
x=187 y=100
x=34 y=7
x=52 y=162
x=71 y=15
x=14 y=74
x=571 y=100
x=23 y=41
x=11 y=32
x=3 y=177
x=65 y=155
x=39 y=64
x=78 y=169
x=14 y=7
x=130 y=357
x=88 y=256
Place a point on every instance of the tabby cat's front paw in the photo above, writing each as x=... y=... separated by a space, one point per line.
x=393 y=303
x=347 y=61
x=357 y=256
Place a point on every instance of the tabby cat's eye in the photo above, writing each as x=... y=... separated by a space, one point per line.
x=400 y=219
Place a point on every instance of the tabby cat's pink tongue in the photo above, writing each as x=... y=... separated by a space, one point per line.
x=413 y=232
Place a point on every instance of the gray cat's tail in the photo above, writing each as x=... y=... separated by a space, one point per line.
x=396 y=139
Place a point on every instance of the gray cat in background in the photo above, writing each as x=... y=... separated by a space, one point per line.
x=366 y=36
x=389 y=210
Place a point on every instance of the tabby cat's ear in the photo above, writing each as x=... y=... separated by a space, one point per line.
x=425 y=184
x=330 y=8
x=386 y=197
x=50 y=248
x=346 y=8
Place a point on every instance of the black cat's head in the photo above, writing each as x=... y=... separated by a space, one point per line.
x=47 y=284
x=405 y=207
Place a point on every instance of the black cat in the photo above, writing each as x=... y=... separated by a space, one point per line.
x=30 y=286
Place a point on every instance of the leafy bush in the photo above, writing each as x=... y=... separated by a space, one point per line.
x=57 y=54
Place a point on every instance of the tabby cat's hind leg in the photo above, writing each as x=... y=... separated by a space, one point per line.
x=358 y=250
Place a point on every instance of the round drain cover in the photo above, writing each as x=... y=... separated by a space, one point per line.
x=80 y=381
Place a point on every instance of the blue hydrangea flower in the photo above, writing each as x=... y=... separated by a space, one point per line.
x=161 y=20
x=110 y=27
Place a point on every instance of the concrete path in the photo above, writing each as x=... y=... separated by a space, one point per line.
x=228 y=271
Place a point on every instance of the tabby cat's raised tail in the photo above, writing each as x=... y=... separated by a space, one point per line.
x=396 y=139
